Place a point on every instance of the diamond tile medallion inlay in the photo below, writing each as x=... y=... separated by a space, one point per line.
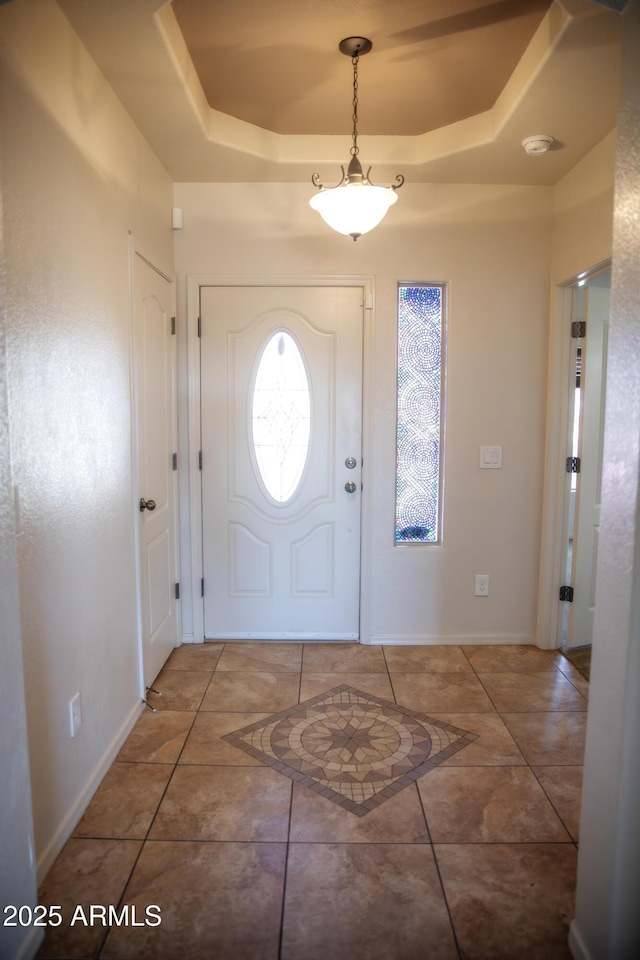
x=351 y=747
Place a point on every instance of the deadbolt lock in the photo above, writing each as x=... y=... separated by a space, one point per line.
x=350 y=463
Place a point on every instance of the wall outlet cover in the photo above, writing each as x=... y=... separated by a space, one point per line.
x=482 y=585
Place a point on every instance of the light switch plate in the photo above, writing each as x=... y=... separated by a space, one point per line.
x=490 y=458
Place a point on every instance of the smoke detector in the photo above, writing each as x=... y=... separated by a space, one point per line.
x=535 y=145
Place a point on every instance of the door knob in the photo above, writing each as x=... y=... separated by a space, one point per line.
x=350 y=487
x=147 y=504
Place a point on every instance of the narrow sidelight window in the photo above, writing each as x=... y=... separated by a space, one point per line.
x=419 y=453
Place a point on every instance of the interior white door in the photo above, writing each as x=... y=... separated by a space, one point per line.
x=155 y=397
x=281 y=413
x=588 y=495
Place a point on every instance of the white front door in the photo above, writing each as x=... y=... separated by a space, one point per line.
x=587 y=510
x=281 y=399
x=156 y=426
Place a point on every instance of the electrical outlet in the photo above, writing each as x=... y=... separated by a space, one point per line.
x=75 y=714
x=482 y=585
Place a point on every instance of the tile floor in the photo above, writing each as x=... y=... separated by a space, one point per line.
x=473 y=859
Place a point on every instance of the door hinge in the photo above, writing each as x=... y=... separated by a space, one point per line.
x=199 y=327
x=173 y=326
x=200 y=460
x=177 y=591
x=566 y=594
x=573 y=464
x=202 y=587
x=174 y=461
x=578 y=329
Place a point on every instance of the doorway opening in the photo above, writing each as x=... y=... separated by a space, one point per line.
x=588 y=314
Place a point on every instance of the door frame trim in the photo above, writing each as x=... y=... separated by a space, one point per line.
x=194 y=284
x=555 y=520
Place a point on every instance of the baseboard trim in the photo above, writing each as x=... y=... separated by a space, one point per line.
x=47 y=857
x=300 y=637
x=577 y=946
x=189 y=638
x=473 y=639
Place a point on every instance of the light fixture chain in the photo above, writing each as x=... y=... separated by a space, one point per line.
x=355 y=205
x=354 y=149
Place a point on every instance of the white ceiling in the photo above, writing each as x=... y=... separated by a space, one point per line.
x=250 y=91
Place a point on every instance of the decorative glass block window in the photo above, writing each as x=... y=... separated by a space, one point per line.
x=421 y=313
x=281 y=416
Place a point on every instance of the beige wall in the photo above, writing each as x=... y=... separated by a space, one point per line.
x=78 y=177
x=583 y=213
x=491 y=245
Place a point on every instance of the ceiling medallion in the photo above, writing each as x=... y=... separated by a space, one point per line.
x=354 y=205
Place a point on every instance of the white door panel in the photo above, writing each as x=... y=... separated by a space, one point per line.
x=159 y=574
x=312 y=563
x=290 y=567
x=155 y=405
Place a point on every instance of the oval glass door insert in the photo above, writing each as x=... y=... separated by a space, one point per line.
x=281 y=416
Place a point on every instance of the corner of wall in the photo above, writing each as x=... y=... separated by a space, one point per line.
x=583 y=213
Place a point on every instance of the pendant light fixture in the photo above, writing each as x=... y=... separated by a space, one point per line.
x=355 y=205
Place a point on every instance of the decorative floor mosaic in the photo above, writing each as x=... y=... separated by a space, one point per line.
x=351 y=747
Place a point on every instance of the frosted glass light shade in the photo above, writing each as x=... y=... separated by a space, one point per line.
x=355 y=208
